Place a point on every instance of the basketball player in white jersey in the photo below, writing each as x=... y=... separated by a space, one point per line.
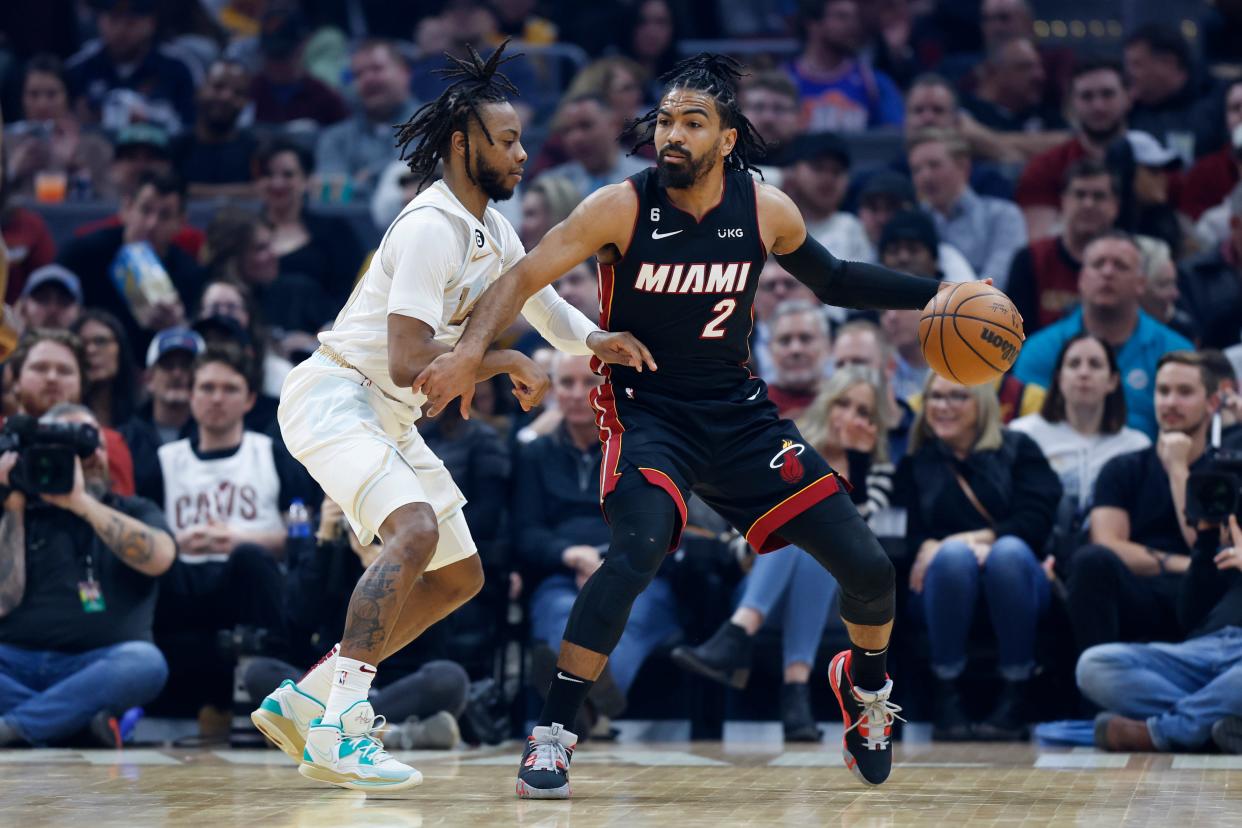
x=348 y=412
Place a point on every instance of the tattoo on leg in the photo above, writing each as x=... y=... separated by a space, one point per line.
x=373 y=609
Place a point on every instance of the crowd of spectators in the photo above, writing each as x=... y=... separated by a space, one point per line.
x=190 y=191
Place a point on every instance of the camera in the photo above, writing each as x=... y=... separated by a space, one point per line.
x=1214 y=492
x=45 y=453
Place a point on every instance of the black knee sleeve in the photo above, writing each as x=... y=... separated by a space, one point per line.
x=642 y=521
x=835 y=534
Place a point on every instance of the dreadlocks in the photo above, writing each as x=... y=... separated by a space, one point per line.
x=474 y=82
x=718 y=76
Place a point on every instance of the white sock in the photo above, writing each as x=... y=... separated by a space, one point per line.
x=351 y=681
x=317 y=683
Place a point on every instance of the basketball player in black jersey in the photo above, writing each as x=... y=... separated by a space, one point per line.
x=680 y=248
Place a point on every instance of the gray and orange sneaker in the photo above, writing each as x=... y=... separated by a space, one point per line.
x=869 y=716
x=544 y=770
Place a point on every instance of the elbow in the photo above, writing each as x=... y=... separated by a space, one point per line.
x=165 y=555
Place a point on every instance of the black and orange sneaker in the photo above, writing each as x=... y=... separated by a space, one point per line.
x=868 y=715
x=544 y=770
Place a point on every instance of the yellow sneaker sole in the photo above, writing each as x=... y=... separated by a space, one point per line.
x=280 y=732
x=357 y=783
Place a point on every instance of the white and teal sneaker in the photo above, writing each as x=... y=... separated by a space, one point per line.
x=349 y=753
x=284 y=717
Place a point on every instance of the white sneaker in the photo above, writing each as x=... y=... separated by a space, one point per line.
x=349 y=753
x=284 y=717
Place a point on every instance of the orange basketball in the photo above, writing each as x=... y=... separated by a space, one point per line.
x=970 y=333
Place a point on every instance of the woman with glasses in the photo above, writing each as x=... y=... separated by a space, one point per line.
x=110 y=387
x=980 y=500
x=846 y=423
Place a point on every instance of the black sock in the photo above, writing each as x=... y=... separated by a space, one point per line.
x=868 y=670
x=565 y=698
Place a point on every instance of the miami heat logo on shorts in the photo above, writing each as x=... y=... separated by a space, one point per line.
x=787 y=461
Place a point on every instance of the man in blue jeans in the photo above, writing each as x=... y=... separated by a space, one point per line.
x=1169 y=697
x=77 y=594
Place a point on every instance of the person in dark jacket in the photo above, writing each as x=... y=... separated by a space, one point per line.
x=980 y=502
x=1211 y=286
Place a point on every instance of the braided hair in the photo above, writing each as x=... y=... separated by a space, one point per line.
x=718 y=76
x=425 y=137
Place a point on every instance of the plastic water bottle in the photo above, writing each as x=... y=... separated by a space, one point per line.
x=299 y=519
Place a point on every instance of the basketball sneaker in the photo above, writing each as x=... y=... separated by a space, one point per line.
x=349 y=754
x=544 y=770
x=868 y=716
x=284 y=717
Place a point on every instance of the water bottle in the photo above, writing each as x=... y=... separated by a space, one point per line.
x=299 y=519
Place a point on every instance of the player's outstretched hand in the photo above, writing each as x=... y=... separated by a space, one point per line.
x=530 y=382
x=621 y=348
x=447 y=377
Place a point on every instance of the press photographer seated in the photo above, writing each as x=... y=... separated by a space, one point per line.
x=77 y=595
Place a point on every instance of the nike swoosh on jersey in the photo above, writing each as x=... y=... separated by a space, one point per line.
x=656 y=234
x=482 y=255
x=754 y=395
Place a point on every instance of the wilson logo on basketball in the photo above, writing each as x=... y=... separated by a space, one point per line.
x=1008 y=350
x=787 y=461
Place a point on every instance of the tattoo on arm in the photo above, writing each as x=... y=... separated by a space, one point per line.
x=12 y=560
x=132 y=541
x=373 y=609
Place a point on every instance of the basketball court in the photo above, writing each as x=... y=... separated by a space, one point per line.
x=680 y=784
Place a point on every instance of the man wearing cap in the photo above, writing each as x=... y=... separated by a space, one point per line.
x=1209 y=182
x=51 y=298
x=124 y=77
x=887 y=193
x=1153 y=167
x=283 y=90
x=1043 y=279
x=1211 y=286
x=987 y=231
x=817 y=177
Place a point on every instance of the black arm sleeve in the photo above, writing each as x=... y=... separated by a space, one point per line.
x=856 y=284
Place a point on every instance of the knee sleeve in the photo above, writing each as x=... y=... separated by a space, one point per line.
x=835 y=535
x=643 y=520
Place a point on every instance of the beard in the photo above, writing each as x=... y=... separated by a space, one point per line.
x=1100 y=136
x=684 y=176
x=490 y=180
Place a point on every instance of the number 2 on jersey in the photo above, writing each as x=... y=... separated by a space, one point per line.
x=724 y=308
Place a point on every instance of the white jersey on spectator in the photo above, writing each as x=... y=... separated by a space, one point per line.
x=433 y=264
x=241 y=490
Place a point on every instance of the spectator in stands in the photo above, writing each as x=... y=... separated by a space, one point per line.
x=1082 y=424
x=1110 y=285
x=1043 y=278
x=545 y=204
x=140 y=149
x=840 y=91
x=283 y=91
x=816 y=176
x=233 y=300
x=980 y=501
x=125 y=78
x=76 y=603
x=361 y=146
x=769 y=100
x=1161 y=297
x=48 y=369
x=860 y=343
x=776 y=285
x=987 y=231
x=1213 y=177
x=1010 y=95
x=27 y=241
x=214 y=157
x=51 y=298
x=588 y=126
x=1124 y=585
x=1098 y=104
x=580 y=288
x=1171 y=101
x=648 y=35
x=1004 y=20
x=801 y=348
x=151 y=215
x=111 y=389
x=909 y=244
x=1211 y=286
x=1176 y=697
x=49 y=137
x=320 y=247
x=883 y=196
x=1147 y=171
x=239 y=247
x=224 y=493
x=516 y=19
x=560 y=538
x=844 y=424
x=225 y=332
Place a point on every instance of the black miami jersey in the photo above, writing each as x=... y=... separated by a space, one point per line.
x=686 y=289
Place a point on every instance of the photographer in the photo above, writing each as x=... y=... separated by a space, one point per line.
x=77 y=595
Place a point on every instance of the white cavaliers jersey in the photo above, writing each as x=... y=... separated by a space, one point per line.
x=433 y=264
x=241 y=490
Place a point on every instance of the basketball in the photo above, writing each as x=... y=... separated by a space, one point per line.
x=970 y=333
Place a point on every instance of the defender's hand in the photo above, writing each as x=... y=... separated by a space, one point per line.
x=620 y=348
x=448 y=377
x=530 y=382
